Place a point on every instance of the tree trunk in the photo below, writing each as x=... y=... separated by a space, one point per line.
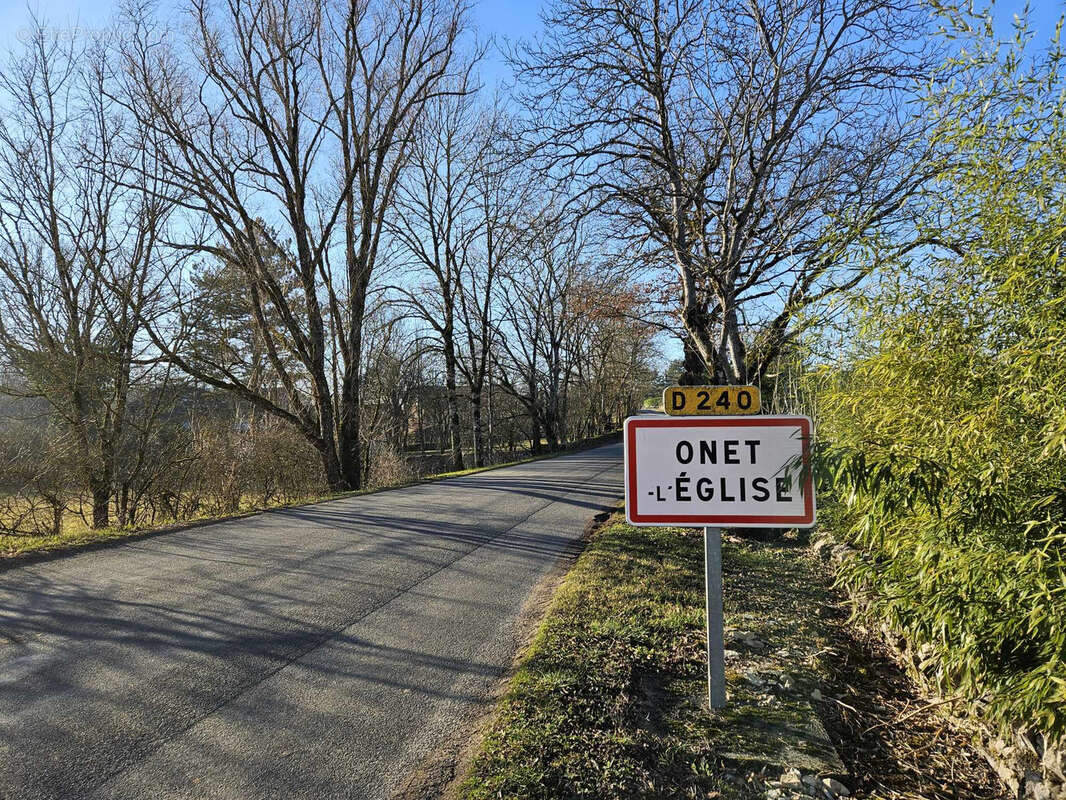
x=346 y=465
x=453 y=402
x=101 y=494
x=57 y=518
x=421 y=426
x=479 y=436
x=338 y=457
x=695 y=371
x=534 y=435
x=551 y=434
x=694 y=314
x=488 y=407
x=349 y=447
x=732 y=350
x=123 y=504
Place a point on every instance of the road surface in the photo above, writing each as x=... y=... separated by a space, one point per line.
x=316 y=652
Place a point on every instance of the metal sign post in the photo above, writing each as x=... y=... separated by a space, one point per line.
x=712 y=557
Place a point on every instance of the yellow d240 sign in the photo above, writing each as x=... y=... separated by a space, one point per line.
x=701 y=401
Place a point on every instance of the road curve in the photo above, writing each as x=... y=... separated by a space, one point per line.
x=314 y=652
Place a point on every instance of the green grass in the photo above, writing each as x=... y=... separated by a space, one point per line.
x=609 y=700
x=77 y=534
x=11 y=546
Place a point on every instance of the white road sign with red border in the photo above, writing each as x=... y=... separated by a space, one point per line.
x=751 y=472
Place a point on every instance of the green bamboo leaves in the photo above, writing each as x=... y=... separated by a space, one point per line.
x=947 y=412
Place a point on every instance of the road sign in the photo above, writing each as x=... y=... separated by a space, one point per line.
x=752 y=472
x=745 y=471
x=703 y=401
x=716 y=470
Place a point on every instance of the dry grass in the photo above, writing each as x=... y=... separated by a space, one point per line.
x=898 y=744
x=76 y=531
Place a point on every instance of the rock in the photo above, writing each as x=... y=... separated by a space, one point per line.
x=774 y=794
x=788 y=683
x=1054 y=761
x=1036 y=788
x=836 y=787
x=734 y=778
x=745 y=638
x=816 y=696
x=731 y=655
x=812 y=781
x=791 y=779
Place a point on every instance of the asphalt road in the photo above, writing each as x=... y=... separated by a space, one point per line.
x=316 y=652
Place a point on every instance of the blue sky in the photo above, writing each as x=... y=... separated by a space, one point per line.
x=1043 y=14
x=514 y=18
x=502 y=19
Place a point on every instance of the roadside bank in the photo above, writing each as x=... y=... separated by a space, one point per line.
x=609 y=700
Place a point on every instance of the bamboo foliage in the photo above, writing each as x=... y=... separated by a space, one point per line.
x=944 y=422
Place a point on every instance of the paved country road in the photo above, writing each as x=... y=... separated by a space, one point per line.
x=315 y=652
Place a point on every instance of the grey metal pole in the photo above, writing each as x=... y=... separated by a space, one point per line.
x=712 y=551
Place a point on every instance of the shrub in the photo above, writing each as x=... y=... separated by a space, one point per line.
x=946 y=414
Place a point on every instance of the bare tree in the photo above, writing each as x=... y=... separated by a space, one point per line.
x=39 y=471
x=393 y=355
x=79 y=251
x=537 y=315
x=613 y=352
x=755 y=145
x=504 y=190
x=284 y=125
x=458 y=210
x=436 y=227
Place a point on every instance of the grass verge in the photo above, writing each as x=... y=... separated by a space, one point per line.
x=609 y=699
x=17 y=548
